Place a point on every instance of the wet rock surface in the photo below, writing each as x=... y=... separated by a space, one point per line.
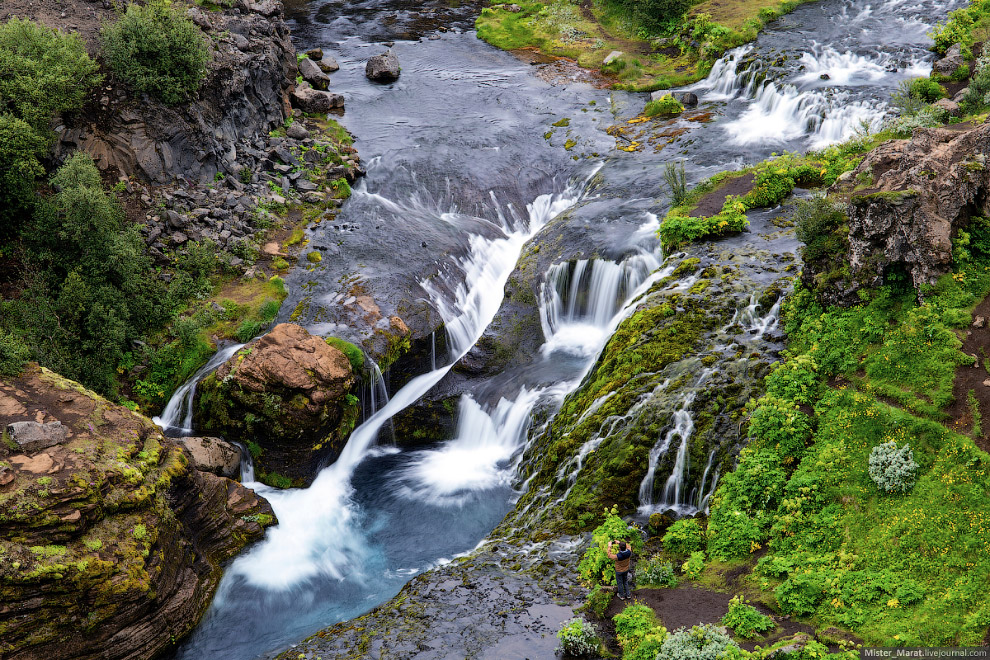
x=213 y=455
x=287 y=392
x=111 y=543
x=383 y=68
x=505 y=601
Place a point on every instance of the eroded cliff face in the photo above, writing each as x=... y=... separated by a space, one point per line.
x=111 y=542
x=244 y=96
x=908 y=200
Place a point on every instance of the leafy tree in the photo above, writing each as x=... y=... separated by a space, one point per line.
x=158 y=50
x=43 y=72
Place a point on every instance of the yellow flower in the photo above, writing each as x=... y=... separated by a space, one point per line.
x=893 y=603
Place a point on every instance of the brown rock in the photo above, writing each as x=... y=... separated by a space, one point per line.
x=164 y=531
x=214 y=455
x=308 y=99
x=288 y=390
x=924 y=190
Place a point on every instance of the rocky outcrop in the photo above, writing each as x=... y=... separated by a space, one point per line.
x=245 y=94
x=213 y=455
x=312 y=100
x=953 y=60
x=384 y=67
x=111 y=542
x=288 y=393
x=921 y=192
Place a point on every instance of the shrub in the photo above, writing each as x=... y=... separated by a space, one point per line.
x=704 y=642
x=677 y=230
x=694 y=565
x=817 y=221
x=13 y=355
x=21 y=150
x=892 y=469
x=800 y=593
x=656 y=572
x=578 y=638
x=926 y=89
x=157 y=50
x=666 y=105
x=632 y=627
x=978 y=96
x=676 y=180
x=354 y=354
x=771 y=185
x=745 y=620
x=268 y=311
x=595 y=566
x=598 y=601
x=43 y=72
x=778 y=423
x=684 y=536
x=341 y=188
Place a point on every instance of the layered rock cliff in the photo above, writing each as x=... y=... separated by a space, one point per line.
x=111 y=542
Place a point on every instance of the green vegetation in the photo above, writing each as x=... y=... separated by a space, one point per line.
x=354 y=354
x=43 y=73
x=664 y=106
x=578 y=638
x=639 y=632
x=704 y=642
x=684 y=537
x=156 y=49
x=656 y=572
x=676 y=180
x=745 y=620
x=893 y=469
x=966 y=26
x=663 y=45
x=598 y=600
x=926 y=90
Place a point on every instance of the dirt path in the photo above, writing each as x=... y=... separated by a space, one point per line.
x=975 y=378
x=712 y=203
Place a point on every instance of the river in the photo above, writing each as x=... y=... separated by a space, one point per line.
x=464 y=168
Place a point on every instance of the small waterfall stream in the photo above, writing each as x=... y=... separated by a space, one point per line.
x=177 y=417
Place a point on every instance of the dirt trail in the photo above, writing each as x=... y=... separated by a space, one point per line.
x=974 y=378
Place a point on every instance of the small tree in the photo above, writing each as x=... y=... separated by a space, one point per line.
x=892 y=469
x=157 y=50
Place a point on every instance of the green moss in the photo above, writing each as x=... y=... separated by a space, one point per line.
x=354 y=354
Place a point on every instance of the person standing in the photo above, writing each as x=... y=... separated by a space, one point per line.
x=622 y=559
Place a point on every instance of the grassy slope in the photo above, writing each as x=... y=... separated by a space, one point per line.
x=589 y=33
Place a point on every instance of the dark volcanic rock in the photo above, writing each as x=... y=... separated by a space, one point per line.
x=112 y=542
x=313 y=74
x=308 y=99
x=384 y=67
x=243 y=95
x=288 y=393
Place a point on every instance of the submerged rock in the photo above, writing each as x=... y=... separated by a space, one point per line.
x=384 y=67
x=111 y=543
x=288 y=393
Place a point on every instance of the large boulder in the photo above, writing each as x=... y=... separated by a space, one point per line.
x=918 y=194
x=383 y=68
x=288 y=396
x=214 y=455
x=313 y=74
x=312 y=100
x=111 y=542
x=953 y=60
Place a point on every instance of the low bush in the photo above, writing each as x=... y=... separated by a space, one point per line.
x=577 y=638
x=156 y=49
x=893 y=469
x=704 y=642
x=684 y=537
x=678 y=230
x=816 y=223
x=666 y=105
x=639 y=632
x=598 y=600
x=694 y=565
x=926 y=89
x=657 y=573
x=13 y=354
x=745 y=620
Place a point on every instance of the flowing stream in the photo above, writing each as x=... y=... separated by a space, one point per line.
x=465 y=167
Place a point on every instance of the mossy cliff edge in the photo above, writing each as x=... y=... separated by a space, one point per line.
x=111 y=542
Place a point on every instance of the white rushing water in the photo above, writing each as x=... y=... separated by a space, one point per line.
x=177 y=418
x=316 y=534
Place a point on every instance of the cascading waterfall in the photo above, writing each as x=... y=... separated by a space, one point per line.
x=700 y=495
x=815 y=104
x=181 y=403
x=580 y=299
x=316 y=533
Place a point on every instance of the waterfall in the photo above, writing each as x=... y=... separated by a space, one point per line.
x=580 y=299
x=316 y=534
x=756 y=325
x=181 y=403
x=811 y=104
x=247 y=462
x=705 y=495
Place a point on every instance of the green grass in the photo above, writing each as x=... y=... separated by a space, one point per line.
x=895 y=569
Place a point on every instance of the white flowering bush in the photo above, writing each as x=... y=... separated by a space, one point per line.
x=658 y=573
x=578 y=638
x=892 y=469
x=704 y=642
